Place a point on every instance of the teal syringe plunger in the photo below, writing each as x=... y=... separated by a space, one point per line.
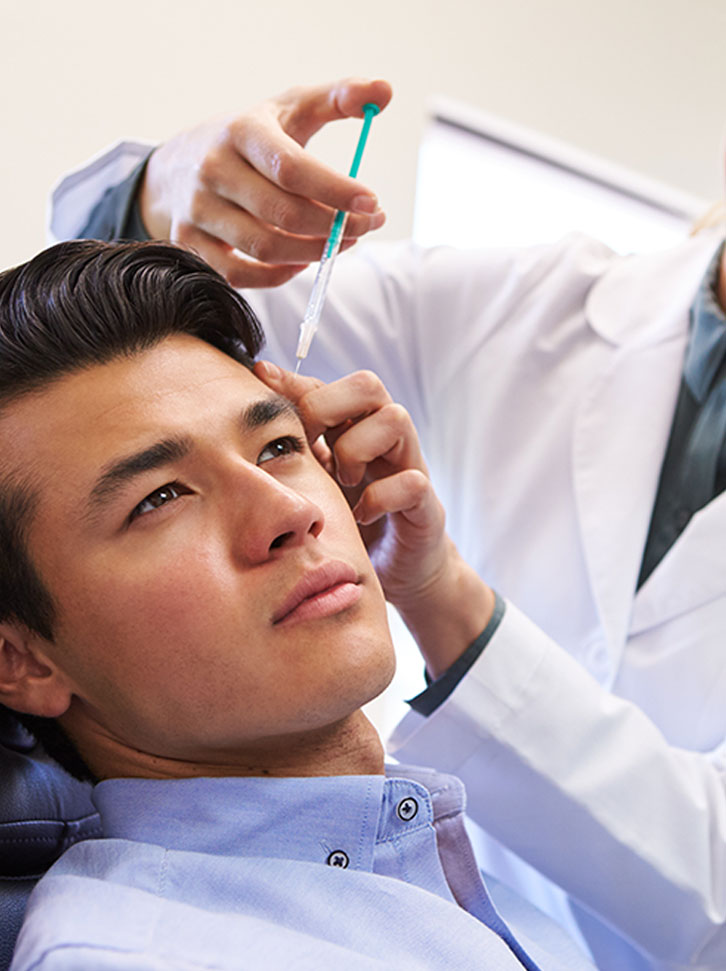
x=332 y=246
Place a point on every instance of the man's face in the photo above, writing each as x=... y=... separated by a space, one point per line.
x=212 y=588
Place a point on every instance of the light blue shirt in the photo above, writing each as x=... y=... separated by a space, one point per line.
x=345 y=872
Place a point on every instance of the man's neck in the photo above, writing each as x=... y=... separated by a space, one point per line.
x=349 y=747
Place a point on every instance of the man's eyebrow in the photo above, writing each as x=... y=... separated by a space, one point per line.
x=121 y=471
x=118 y=473
x=265 y=410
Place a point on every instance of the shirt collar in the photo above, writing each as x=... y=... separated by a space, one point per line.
x=298 y=819
x=707 y=344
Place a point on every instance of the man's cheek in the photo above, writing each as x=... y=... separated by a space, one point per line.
x=134 y=605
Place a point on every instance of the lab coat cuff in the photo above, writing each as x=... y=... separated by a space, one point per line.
x=499 y=684
x=438 y=690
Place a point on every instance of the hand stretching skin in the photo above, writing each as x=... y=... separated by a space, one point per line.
x=370 y=445
x=245 y=184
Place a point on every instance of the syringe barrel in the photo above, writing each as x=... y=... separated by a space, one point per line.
x=322 y=277
x=330 y=251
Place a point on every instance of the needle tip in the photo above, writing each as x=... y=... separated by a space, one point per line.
x=297 y=366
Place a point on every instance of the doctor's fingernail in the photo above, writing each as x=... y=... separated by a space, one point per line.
x=367 y=204
x=265 y=369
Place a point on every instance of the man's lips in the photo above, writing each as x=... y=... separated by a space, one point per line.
x=325 y=590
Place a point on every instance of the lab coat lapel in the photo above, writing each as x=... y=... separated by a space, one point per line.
x=620 y=435
x=692 y=573
x=622 y=425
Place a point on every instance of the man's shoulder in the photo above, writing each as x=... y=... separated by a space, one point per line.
x=98 y=896
x=114 y=903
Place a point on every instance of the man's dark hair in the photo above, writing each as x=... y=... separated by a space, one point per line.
x=74 y=306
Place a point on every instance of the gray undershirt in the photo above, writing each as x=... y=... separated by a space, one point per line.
x=694 y=468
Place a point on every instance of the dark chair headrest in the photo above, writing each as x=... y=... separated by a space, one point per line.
x=43 y=810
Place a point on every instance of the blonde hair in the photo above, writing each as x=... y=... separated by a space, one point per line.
x=714 y=216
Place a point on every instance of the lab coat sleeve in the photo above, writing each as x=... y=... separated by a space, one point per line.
x=76 y=194
x=584 y=787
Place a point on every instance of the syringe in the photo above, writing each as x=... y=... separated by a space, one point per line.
x=332 y=246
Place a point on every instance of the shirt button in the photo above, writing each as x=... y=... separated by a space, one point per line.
x=338 y=858
x=407 y=809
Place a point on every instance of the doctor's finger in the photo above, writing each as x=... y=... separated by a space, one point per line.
x=234 y=180
x=327 y=408
x=237 y=228
x=272 y=140
x=331 y=408
x=237 y=270
x=282 y=161
x=378 y=445
x=408 y=493
x=302 y=111
x=292 y=386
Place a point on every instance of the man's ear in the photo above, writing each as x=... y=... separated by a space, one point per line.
x=29 y=681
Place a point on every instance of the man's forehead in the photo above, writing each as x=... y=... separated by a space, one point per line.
x=81 y=421
x=180 y=365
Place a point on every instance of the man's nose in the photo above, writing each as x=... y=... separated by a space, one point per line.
x=271 y=517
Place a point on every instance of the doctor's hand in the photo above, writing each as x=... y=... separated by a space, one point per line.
x=245 y=183
x=369 y=444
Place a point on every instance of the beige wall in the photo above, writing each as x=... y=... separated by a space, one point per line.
x=642 y=82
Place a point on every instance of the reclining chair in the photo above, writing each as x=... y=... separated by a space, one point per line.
x=43 y=810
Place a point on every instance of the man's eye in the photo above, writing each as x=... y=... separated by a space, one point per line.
x=157 y=498
x=281 y=446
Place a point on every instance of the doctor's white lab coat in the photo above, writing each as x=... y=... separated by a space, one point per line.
x=592 y=737
x=543 y=383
